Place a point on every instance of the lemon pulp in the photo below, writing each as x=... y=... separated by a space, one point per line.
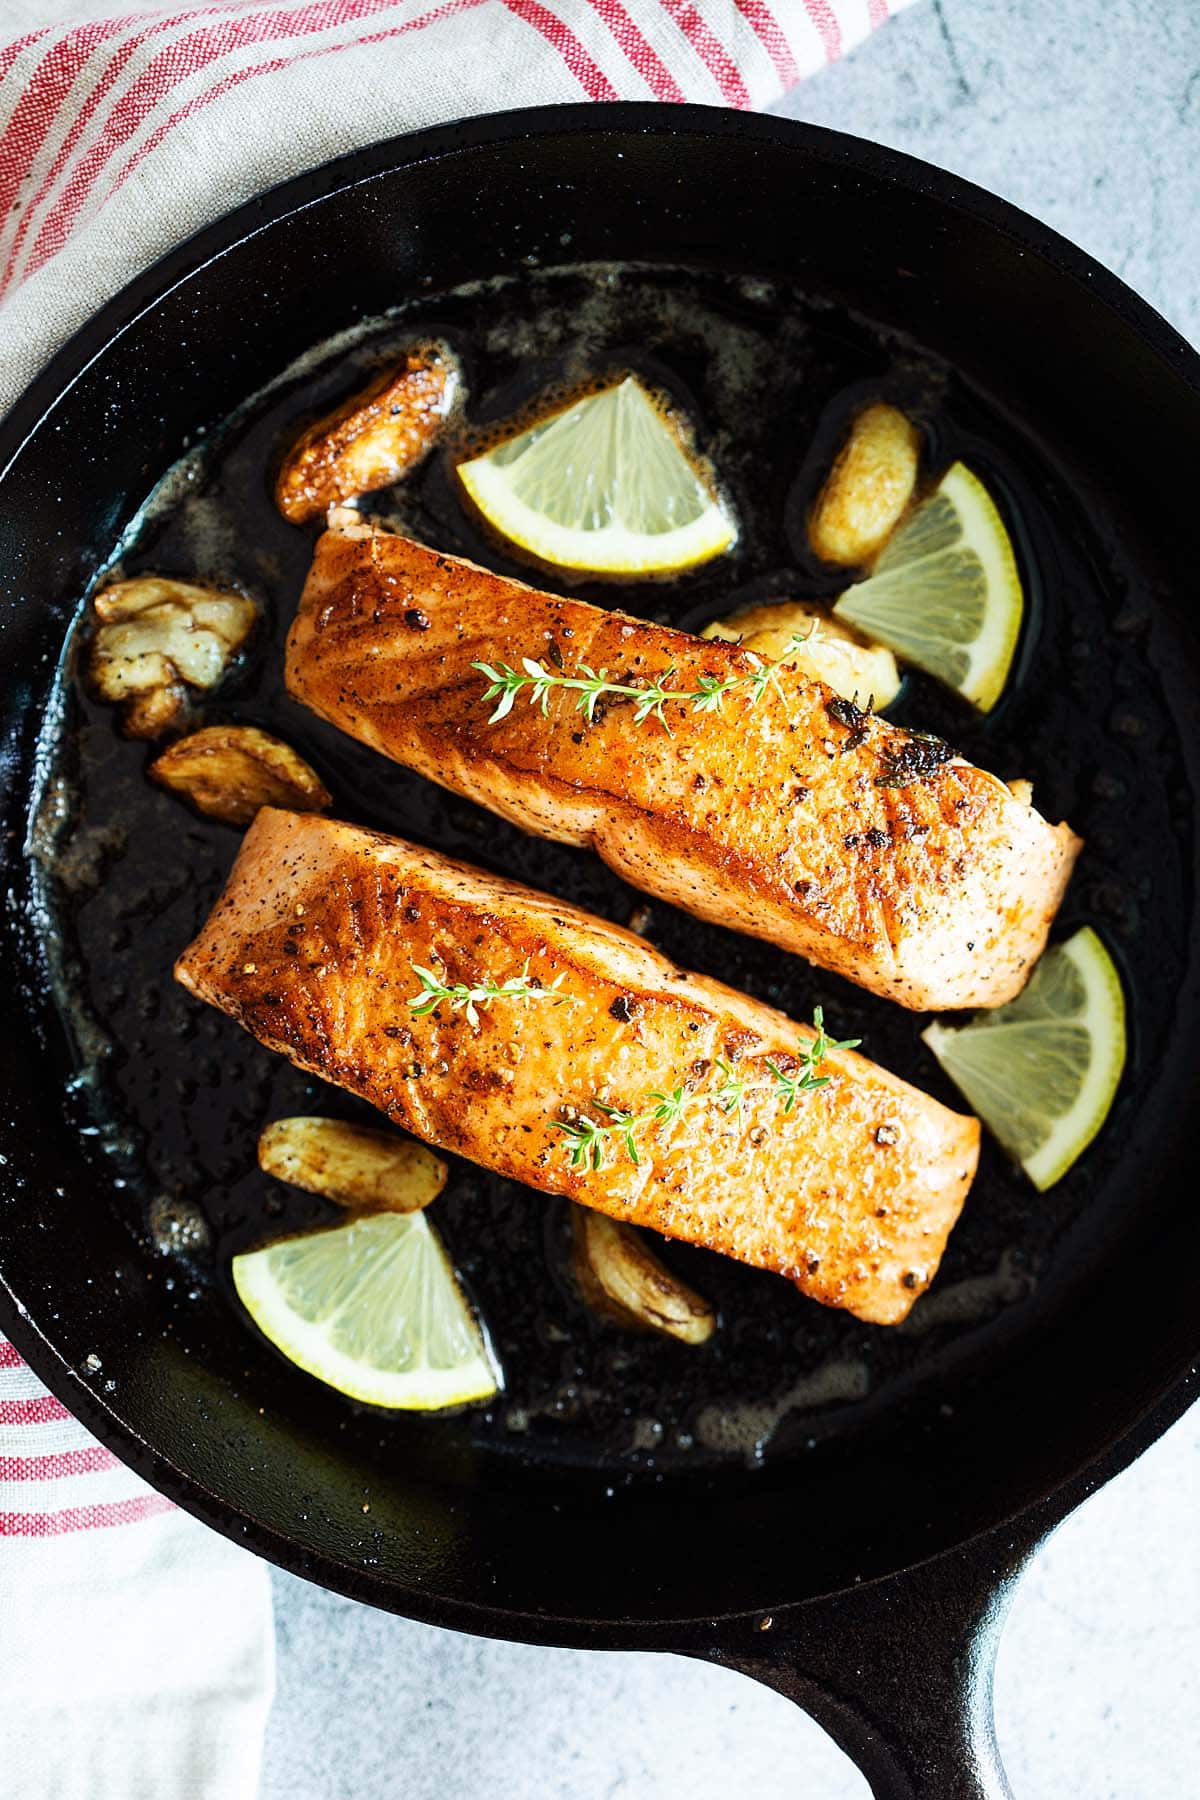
x=604 y=487
x=372 y=1308
x=1042 y=1071
x=945 y=592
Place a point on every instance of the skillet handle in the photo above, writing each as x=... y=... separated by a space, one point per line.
x=899 y=1672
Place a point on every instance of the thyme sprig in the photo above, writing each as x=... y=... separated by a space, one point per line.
x=790 y=1087
x=462 y=997
x=587 y=1139
x=506 y=684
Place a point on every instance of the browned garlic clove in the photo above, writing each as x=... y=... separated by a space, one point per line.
x=371 y=440
x=157 y=712
x=352 y=1165
x=832 y=652
x=158 y=638
x=621 y=1279
x=228 y=771
x=868 y=489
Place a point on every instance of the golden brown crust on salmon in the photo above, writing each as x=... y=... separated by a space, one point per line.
x=790 y=819
x=312 y=948
x=370 y=440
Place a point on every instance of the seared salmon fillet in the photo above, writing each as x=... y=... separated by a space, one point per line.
x=315 y=946
x=795 y=818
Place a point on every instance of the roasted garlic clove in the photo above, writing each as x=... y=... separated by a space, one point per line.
x=352 y=1165
x=621 y=1278
x=833 y=652
x=868 y=488
x=159 y=637
x=369 y=441
x=229 y=771
x=156 y=712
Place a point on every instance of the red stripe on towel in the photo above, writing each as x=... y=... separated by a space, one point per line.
x=40 y=1411
x=83 y=1518
x=57 y=1463
x=638 y=49
x=710 y=50
x=825 y=19
x=588 y=74
x=772 y=37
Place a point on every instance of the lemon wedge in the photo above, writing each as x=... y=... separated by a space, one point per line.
x=945 y=592
x=372 y=1308
x=604 y=487
x=1041 y=1072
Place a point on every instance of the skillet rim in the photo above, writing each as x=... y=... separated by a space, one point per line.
x=274 y=203
x=146 y=290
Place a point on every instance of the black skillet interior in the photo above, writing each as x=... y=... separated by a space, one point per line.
x=778 y=273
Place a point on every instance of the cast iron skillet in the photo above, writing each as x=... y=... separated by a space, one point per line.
x=868 y=1579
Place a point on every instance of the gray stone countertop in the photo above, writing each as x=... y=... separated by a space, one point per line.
x=1086 y=113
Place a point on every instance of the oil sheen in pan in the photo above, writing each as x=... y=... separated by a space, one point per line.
x=174 y=1094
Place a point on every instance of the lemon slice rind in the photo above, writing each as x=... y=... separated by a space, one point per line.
x=404 y=1274
x=1076 y=1004
x=946 y=593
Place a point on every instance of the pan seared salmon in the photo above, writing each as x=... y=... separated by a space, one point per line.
x=855 y=843
x=313 y=947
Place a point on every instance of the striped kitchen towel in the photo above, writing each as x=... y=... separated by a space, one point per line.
x=136 y=1645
